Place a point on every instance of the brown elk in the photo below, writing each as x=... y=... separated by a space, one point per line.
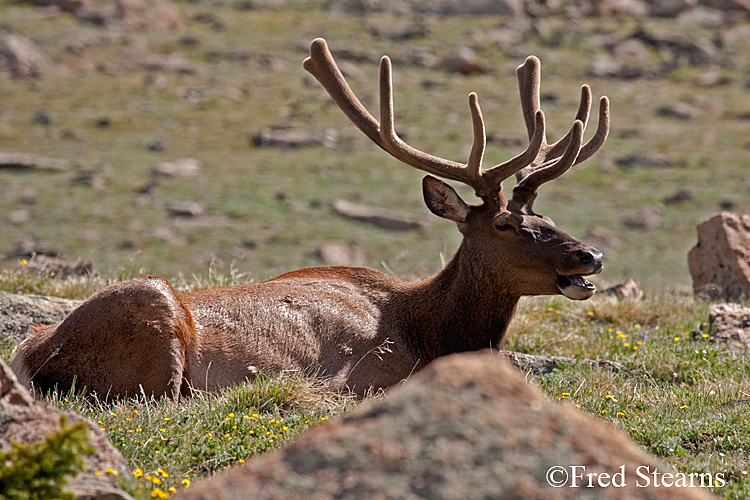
x=355 y=328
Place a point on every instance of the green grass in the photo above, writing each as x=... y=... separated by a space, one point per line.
x=98 y=211
x=169 y=445
x=679 y=395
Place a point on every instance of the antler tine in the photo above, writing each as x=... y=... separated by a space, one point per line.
x=495 y=175
x=474 y=165
x=529 y=77
x=322 y=66
x=584 y=108
x=529 y=184
x=602 y=131
x=414 y=157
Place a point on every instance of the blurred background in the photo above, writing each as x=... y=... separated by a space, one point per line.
x=166 y=137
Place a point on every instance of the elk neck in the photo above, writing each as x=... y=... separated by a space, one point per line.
x=457 y=310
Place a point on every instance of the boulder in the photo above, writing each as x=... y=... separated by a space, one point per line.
x=336 y=253
x=730 y=324
x=183 y=168
x=23 y=420
x=294 y=137
x=383 y=218
x=467 y=426
x=18 y=313
x=627 y=290
x=152 y=15
x=20 y=56
x=720 y=262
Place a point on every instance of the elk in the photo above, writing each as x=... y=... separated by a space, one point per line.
x=355 y=328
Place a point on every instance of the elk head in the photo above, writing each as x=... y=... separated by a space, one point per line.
x=505 y=241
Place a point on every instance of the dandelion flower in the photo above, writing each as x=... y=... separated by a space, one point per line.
x=186 y=482
x=137 y=473
x=159 y=493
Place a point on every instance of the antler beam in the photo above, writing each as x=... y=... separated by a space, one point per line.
x=555 y=159
x=539 y=163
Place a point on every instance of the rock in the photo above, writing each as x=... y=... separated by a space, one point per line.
x=738 y=5
x=730 y=324
x=32 y=161
x=702 y=16
x=152 y=15
x=465 y=62
x=647 y=160
x=678 y=111
x=604 y=66
x=720 y=262
x=175 y=62
x=514 y=8
x=628 y=290
x=185 y=168
x=467 y=426
x=701 y=52
x=603 y=235
x=679 y=196
x=22 y=58
x=539 y=365
x=187 y=209
x=56 y=267
x=63 y=5
x=293 y=137
x=335 y=253
x=670 y=8
x=18 y=313
x=381 y=217
x=617 y=8
x=24 y=420
x=649 y=219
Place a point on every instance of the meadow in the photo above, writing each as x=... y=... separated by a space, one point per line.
x=266 y=210
x=678 y=394
x=115 y=115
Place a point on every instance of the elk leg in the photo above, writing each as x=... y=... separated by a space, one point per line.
x=127 y=339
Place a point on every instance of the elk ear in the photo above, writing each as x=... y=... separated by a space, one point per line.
x=443 y=201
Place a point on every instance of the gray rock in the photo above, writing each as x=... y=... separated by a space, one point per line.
x=467 y=426
x=22 y=58
x=23 y=420
x=730 y=324
x=381 y=217
x=18 y=313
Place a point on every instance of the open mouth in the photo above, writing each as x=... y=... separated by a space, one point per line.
x=575 y=287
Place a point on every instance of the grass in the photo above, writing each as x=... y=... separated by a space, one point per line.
x=100 y=211
x=679 y=395
x=169 y=445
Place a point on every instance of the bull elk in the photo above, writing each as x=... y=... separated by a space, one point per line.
x=356 y=328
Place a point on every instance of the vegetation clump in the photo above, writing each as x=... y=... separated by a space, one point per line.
x=40 y=470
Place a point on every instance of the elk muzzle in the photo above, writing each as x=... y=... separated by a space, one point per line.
x=574 y=285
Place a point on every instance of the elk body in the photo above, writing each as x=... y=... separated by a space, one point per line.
x=356 y=328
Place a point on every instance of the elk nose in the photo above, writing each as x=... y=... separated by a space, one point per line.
x=591 y=258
